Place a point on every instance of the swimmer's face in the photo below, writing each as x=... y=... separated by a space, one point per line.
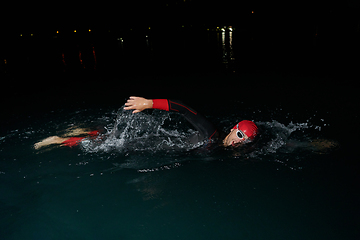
x=232 y=139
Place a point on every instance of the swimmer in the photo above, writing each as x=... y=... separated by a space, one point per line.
x=243 y=132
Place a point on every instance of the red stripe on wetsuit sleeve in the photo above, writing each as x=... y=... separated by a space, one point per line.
x=192 y=111
x=161 y=104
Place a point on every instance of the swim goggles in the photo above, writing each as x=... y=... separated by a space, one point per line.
x=240 y=134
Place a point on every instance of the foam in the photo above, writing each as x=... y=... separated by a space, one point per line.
x=141 y=132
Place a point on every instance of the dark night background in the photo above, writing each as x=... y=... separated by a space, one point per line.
x=140 y=45
x=293 y=63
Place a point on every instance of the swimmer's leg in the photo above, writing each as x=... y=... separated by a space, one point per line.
x=49 y=141
x=72 y=132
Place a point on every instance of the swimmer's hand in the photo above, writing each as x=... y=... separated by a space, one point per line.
x=138 y=104
x=322 y=145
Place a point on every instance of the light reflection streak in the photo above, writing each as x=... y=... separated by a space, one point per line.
x=224 y=50
x=228 y=56
x=94 y=55
x=80 y=59
x=63 y=60
x=232 y=58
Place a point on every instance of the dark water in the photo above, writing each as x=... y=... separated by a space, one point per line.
x=142 y=180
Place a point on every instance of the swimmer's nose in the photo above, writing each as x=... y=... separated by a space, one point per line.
x=237 y=140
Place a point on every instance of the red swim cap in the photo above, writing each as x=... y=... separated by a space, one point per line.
x=248 y=127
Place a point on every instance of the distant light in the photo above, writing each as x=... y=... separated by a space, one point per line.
x=75 y=31
x=89 y=30
x=149 y=28
x=252 y=11
x=20 y=34
x=31 y=34
x=57 y=31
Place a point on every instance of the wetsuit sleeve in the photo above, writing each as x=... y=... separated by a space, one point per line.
x=161 y=104
x=200 y=123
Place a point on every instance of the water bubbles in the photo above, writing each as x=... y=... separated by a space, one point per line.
x=141 y=132
x=275 y=139
x=158 y=140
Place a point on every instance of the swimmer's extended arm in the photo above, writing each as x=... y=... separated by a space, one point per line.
x=139 y=104
x=323 y=145
x=320 y=146
x=204 y=126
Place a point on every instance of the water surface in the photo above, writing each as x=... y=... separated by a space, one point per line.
x=141 y=179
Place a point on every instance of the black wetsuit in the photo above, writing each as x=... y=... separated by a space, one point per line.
x=205 y=128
